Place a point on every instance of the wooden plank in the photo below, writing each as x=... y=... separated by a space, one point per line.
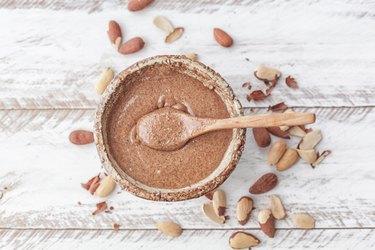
x=42 y=172
x=190 y=239
x=58 y=55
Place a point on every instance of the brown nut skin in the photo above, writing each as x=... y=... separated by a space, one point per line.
x=276 y=152
x=131 y=46
x=222 y=38
x=262 y=137
x=289 y=158
x=81 y=137
x=264 y=184
x=136 y=5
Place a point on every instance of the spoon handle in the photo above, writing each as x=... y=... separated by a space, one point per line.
x=256 y=121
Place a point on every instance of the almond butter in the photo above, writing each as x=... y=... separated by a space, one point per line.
x=296 y=131
x=164 y=24
x=265 y=73
x=192 y=56
x=244 y=208
x=222 y=37
x=321 y=157
x=310 y=140
x=105 y=78
x=276 y=131
x=277 y=207
x=276 y=152
x=131 y=46
x=241 y=240
x=304 y=221
x=308 y=155
x=106 y=187
x=219 y=202
x=289 y=158
x=208 y=210
x=267 y=222
x=114 y=34
x=174 y=35
x=264 y=184
x=169 y=228
x=262 y=137
x=136 y=5
x=80 y=137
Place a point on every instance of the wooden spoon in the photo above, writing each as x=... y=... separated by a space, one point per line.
x=170 y=129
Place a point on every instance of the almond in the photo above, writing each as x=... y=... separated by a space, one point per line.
x=276 y=152
x=114 y=33
x=265 y=73
x=277 y=207
x=310 y=140
x=169 y=228
x=80 y=137
x=304 y=221
x=321 y=157
x=104 y=80
x=136 y=5
x=244 y=208
x=264 y=184
x=208 y=210
x=192 y=56
x=308 y=156
x=164 y=24
x=262 y=137
x=174 y=35
x=106 y=187
x=289 y=158
x=267 y=222
x=241 y=240
x=219 y=202
x=276 y=131
x=297 y=131
x=131 y=46
x=222 y=38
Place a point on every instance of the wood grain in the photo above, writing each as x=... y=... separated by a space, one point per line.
x=43 y=183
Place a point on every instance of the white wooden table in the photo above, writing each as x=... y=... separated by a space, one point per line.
x=51 y=54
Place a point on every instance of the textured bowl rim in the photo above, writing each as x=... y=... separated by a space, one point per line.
x=140 y=189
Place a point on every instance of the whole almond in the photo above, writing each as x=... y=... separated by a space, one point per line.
x=267 y=222
x=276 y=152
x=289 y=158
x=241 y=240
x=136 y=5
x=104 y=80
x=297 y=131
x=164 y=24
x=219 y=202
x=208 y=210
x=244 y=208
x=222 y=37
x=131 y=46
x=304 y=221
x=277 y=207
x=265 y=73
x=310 y=140
x=309 y=155
x=174 y=35
x=80 y=137
x=262 y=137
x=276 y=131
x=106 y=187
x=264 y=184
x=114 y=33
x=169 y=228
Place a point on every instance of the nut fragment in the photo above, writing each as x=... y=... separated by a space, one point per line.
x=276 y=131
x=262 y=137
x=169 y=228
x=304 y=221
x=244 y=208
x=104 y=80
x=321 y=157
x=278 y=107
x=136 y=5
x=106 y=187
x=219 y=202
x=240 y=240
x=310 y=140
x=265 y=73
x=308 y=156
x=276 y=152
x=208 y=210
x=131 y=46
x=297 y=131
x=289 y=158
x=277 y=207
x=264 y=184
x=291 y=82
x=222 y=37
x=267 y=222
x=114 y=33
x=174 y=35
x=192 y=56
x=164 y=24
x=81 y=137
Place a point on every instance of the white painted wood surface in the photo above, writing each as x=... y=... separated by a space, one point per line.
x=51 y=55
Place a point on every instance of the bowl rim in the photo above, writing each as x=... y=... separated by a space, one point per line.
x=138 y=189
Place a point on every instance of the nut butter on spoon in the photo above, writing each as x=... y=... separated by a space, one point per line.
x=168 y=129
